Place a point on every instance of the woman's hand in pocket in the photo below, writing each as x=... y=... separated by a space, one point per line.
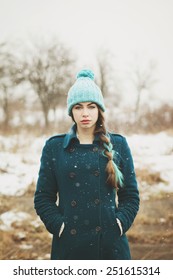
x=61 y=229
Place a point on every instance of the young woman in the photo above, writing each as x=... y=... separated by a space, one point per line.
x=89 y=169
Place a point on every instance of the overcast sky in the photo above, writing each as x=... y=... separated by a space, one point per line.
x=126 y=27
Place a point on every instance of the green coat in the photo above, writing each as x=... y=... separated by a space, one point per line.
x=76 y=173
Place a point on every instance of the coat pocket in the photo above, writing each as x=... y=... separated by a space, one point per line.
x=122 y=248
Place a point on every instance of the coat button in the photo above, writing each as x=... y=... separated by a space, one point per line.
x=97 y=201
x=98 y=228
x=72 y=149
x=73 y=203
x=95 y=149
x=73 y=231
x=72 y=175
x=96 y=173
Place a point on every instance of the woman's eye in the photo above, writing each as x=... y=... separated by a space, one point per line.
x=77 y=107
x=92 y=107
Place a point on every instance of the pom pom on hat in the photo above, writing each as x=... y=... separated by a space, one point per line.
x=86 y=73
x=84 y=90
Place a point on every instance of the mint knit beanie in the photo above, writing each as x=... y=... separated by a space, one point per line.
x=84 y=90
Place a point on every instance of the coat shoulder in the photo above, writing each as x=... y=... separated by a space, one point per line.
x=56 y=138
x=116 y=138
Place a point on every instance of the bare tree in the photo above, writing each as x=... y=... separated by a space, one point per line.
x=104 y=67
x=7 y=80
x=108 y=78
x=48 y=68
x=143 y=78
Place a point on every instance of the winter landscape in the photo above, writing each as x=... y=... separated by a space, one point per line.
x=129 y=47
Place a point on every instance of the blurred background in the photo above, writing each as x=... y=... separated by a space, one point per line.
x=128 y=44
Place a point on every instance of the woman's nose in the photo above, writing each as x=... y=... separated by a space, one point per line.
x=85 y=112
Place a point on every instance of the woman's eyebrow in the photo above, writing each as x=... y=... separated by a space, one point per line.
x=92 y=103
x=79 y=104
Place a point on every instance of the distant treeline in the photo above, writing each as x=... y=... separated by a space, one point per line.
x=35 y=79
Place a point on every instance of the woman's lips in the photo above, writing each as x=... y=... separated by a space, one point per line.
x=85 y=121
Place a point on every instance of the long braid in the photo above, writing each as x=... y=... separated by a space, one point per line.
x=115 y=177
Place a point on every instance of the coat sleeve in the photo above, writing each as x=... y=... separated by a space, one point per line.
x=128 y=195
x=46 y=193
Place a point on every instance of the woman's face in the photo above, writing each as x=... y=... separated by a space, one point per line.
x=85 y=114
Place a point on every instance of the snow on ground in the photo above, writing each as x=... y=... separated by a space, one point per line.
x=7 y=218
x=19 y=163
x=154 y=152
x=20 y=160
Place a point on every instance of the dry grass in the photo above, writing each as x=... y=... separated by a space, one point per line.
x=149 y=177
x=25 y=242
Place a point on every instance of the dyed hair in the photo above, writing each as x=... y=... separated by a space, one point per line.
x=115 y=177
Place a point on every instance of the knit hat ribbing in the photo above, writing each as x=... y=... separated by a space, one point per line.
x=84 y=90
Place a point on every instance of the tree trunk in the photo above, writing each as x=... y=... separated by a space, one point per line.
x=46 y=121
x=45 y=113
x=6 y=109
x=137 y=104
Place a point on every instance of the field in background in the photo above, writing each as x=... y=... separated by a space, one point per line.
x=23 y=236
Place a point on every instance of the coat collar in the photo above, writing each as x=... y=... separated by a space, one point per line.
x=71 y=135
